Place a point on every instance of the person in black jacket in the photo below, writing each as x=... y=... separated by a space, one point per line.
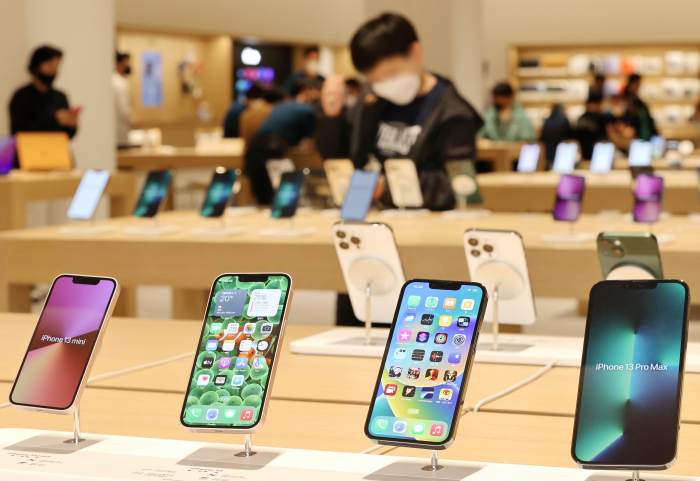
x=407 y=113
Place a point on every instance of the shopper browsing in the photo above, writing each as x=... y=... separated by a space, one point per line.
x=505 y=120
x=312 y=64
x=122 y=98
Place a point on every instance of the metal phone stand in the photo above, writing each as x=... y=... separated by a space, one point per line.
x=413 y=469
x=247 y=450
x=219 y=456
x=433 y=466
x=629 y=272
x=375 y=278
x=76 y=428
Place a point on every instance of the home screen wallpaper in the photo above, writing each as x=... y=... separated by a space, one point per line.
x=218 y=193
x=61 y=346
x=425 y=365
x=153 y=192
x=629 y=395
x=235 y=352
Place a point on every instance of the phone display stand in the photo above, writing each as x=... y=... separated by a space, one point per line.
x=290 y=231
x=219 y=457
x=464 y=186
x=238 y=211
x=629 y=272
x=636 y=476
x=86 y=228
x=221 y=231
x=374 y=277
x=569 y=237
x=403 y=209
x=154 y=229
x=56 y=443
x=408 y=470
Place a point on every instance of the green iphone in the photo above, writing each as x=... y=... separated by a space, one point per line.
x=620 y=251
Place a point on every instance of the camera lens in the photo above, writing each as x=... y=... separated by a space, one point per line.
x=605 y=244
x=340 y=234
x=344 y=245
x=355 y=240
x=488 y=248
x=473 y=242
x=476 y=253
x=617 y=252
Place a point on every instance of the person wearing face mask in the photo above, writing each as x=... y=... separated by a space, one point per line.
x=122 y=98
x=505 y=120
x=38 y=107
x=310 y=72
x=408 y=111
x=353 y=92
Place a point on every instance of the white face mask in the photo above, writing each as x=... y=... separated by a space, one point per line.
x=400 y=90
x=312 y=67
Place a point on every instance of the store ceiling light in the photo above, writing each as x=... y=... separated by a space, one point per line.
x=250 y=56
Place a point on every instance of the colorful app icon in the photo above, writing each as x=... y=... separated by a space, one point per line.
x=400 y=427
x=237 y=380
x=232 y=328
x=390 y=389
x=417 y=355
x=400 y=353
x=463 y=321
x=266 y=328
x=450 y=376
x=241 y=362
x=224 y=362
x=247 y=415
x=381 y=424
x=445 y=321
x=413 y=373
x=409 y=391
x=208 y=362
x=258 y=363
x=395 y=371
x=249 y=328
x=215 y=327
x=467 y=304
x=203 y=379
x=228 y=346
x=262 y=345
x=195 y=413
x=418 y=428
x=219 y=380
x=405 y=336
x=431 y=302
x=455 y=358
x=436 y=356
x=246 y=345
x=229 y=413
x=212 y=345
x=427 y=392
x=264 y=302
x=437 y=430
x=212 y=414
x=413 y=301
x=432 y=374
x=427 y=319
x=459 y=339
x=440 y=338
x=408 y=318
x=423 y=337
x=449 y=303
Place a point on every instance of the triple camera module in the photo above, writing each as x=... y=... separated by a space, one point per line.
x=355 y=240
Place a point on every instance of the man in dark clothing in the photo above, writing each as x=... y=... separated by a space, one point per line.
x=555 y=129
x=312 y=56
x=591 y=126
x=233 y=116
x=38 y=107
x=638 y=115
x=411 y=113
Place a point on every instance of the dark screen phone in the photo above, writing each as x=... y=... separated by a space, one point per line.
x=567 y=206
x=358 y=198
x=218 y=193
x=154 y=191
x=288 y=194
x=648 y=194
x=637 y=171
x=629 y=396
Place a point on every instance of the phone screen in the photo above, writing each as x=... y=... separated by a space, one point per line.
x=648 y=194
x=88 y=194
x=529 y=158
x=287 y=194
x=567 y=206
x=229 y=381
x=640 y=153
x=358 y=197
x=8 y=147
x=631 y=376
x=218 y=193
x=658 y=146
x=565 y=158
x=602 y=158
x=65 y=336
x=153 y=193
x=423 y=376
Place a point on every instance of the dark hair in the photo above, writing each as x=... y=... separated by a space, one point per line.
x=634 y=78
x=302 y=85
x=122 y=55
x=594 y=98
x=310 y=49
x=41 y=55
x=256 y=91
x=353 y=83
x=273 y=95
x=382 y=37
x=502 y=89
x=600 y=78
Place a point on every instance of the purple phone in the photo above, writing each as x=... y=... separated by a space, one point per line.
x=647 y=198
x=7 y=154
x=567 y=207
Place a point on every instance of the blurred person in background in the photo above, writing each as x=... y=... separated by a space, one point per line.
x=555 y=128
x=409 y=113
x=353 y=92
x=122 y=98
x=617 y=125
x=505 y=120
x=638 y=114
x=285 y=126
x=597 y=87
x=591 y=126
x=232 y=120
x=312 y=58
x=256 y=111
x=38 y=107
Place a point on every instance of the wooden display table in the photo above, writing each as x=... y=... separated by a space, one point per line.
x=176 y=158
x=19 y=188
x=501 y=155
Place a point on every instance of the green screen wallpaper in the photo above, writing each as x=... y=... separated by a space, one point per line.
x=628 y=407
x=229 y=380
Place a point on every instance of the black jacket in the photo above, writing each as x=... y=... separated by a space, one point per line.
x=449 y=133
x=34 y=111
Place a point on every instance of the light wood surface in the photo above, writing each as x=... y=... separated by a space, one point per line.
x=501 y=155
x=19 y=188
x=175 y=158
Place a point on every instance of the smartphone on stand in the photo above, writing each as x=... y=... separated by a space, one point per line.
x=404 y=184
x=218 y=193
x=287 y=196
x=631 y=380
x=339 y=173
x=529 y=158
x=640 y=153
x=648 y=197
x=464 y=185
x=65 y=344
x=359 y=195
x=565 y=158
x=228 y=390
x=88 y=194
x=419 y=393
x=569 y=200
x=620 y=251
x=154 y=191
x=602 y=158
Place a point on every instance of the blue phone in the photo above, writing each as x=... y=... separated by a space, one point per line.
x=288 y=193
x=358 y=198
